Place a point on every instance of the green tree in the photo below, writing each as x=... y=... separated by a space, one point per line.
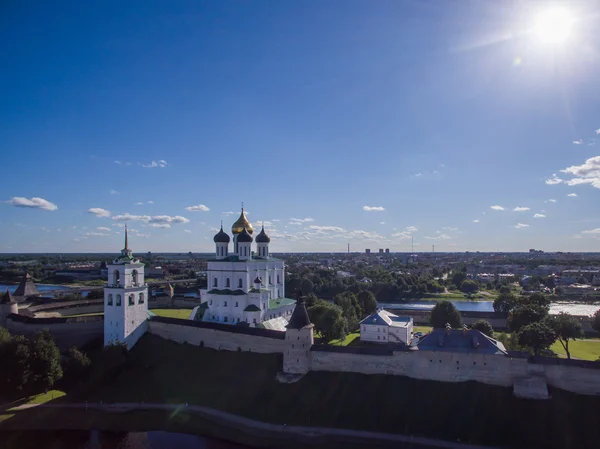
x=350 y=309
x=469 y=286
x=4 y=336
x=444 y=312
x=566 y=328
x=77 y=364
x=505 y=302
x=292 y=286
x=45 y=360
x=328 y=320
x=367 y=301
x=504 y=289
x=595 y=321
x=458 y=277
x=538 y=336
x=307 y=286
x=538 y=299
x=95 y=294
x=484 y=327
x=15 y=371
x=525 y=315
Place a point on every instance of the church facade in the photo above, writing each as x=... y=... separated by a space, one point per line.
x=245 y=286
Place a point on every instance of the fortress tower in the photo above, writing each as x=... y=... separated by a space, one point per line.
x=8 y=305
x=299 y=339
x=125 y=300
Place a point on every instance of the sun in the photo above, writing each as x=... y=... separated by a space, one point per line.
x=553 y=26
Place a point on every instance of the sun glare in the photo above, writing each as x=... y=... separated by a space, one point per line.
x=553 y=26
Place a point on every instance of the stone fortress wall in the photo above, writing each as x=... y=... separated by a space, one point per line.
x=528 y=375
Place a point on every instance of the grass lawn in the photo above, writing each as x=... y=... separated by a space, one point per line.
x=183 y=314
x=84 y=314
x=424 y=329
x=346 y=341
x=580 y=349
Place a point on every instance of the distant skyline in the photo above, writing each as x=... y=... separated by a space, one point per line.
x=334 y=122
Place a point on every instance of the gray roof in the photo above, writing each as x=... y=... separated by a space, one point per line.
x=385 y=318
x=26 y=287
x=299 y=318
x=7 y=298
x=456 y=340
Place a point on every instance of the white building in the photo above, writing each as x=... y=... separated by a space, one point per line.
x=245 y=286
x=125 y=300
x=385 y=327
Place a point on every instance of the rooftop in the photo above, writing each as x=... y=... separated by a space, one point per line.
x=280 y=302
x=457 y=340
x=235 y=258
x=385 y=318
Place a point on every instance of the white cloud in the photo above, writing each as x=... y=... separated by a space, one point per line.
x=591 y=231
x=122 y=163
x=187 y=230
x=96 y=234
x=275 y=219
x=572 y=194
x=476 y=221
x=598 y=131
x=102 y=228
x=302 y=220
x=521 y=209
x=139 y=203
x=418 y=175
x=326 y=228
x=168 y=219
x=586 y=173
x=154 y=164
x=160 y=225
x=198 y=208
x=405 y=233
x=551 y=200
x=497 y=207
x=554 y=180
x=129 y=217
x=578 y=142
x=113 y=192
x=539 y=216
x=439 y=237
x=373 y=208
x=382 y=222
x=143 y=235
x=521 y=225
x=35 y=203
x=99 y=212
x=150 y=202
x=228 y=213
x=447 y=228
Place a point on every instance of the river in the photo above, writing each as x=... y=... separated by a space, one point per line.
x=488 y=306
x=41 y=287
x=83 y=439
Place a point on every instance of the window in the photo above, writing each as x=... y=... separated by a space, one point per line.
x=224 y=303
x=210 y=303
x=225 y=319
x=236 y=304
x=131 y=300
x=240 y=283
x=118 y=300
x=254 y=320
x=278 y=279
x=116 y=277
x=270 y=283
x=215 y=283
x=238 y=320
x=378 y=337
x=141 y=300
x=213 y=317
x=134 y=278
x=109 y=301
x=227 y=283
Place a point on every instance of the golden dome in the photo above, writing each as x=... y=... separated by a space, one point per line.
x=242 y=223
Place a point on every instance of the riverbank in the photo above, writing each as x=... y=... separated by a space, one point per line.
x=182 y=418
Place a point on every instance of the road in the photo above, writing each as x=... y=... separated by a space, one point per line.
x=281 y=430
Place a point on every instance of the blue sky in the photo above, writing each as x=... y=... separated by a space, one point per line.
x=334 y=122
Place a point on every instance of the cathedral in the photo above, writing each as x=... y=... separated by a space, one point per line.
x=245 y=287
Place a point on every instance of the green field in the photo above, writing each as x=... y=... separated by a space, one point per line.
x=424 y=329
x=183 y=314
x=579 y=349
x=346 y=341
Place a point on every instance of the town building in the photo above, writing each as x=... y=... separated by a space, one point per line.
x=385 y=327
x=125 y=300
x=461 y=340
x=245 y=287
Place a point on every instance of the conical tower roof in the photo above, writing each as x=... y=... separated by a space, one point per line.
x=299 y=318
x=7 y=298
x=26 y=287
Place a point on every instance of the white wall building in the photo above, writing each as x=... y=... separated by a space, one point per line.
x=244 y=286
x=125 y=300
x=385 y=327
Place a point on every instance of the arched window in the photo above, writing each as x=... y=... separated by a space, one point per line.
x=270 y=283
x=225 y=304
x=141 y=300
x=227 y=283
x=236 y=304
x=131 y=299
x=240 y=283
x=215 y=283
x=116 y=277
x=118 y=299
x=109 y=301
x=134 y=278
x=278 y=281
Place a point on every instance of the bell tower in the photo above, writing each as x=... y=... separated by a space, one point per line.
x=125 y=300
